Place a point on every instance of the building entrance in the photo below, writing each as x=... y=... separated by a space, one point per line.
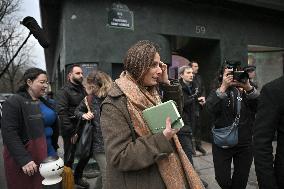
x=206 y=52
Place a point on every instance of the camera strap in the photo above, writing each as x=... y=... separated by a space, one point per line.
x=239 y=105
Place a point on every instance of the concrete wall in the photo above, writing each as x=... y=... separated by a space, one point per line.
x=269 y=66
x=88 y=39
x=209 y=34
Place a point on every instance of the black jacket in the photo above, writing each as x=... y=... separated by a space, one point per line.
x=223 y=111
x=190 y=104
x=199 y=84
x=270 y=119
x=68 y=98
x=98 y=144
x=22 y=123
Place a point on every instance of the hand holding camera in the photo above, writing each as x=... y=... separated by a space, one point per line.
x=238 y=74
x=246 y=86
x=227 y=81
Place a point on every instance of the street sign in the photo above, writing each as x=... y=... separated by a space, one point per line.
x=88 y=68
x=119 y=16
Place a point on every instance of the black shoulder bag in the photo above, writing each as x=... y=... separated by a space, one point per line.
x=84 y=145
x=227 y=137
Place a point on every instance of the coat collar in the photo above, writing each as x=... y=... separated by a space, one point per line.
x=26 y=95
x=115 y=91
x=72 y=85
x=184 y=86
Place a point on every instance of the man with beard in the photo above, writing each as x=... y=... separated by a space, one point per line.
x=69 y=97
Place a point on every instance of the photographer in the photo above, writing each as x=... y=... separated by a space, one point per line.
x=222 y=104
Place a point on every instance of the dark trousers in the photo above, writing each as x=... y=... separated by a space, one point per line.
x=185 y=140
x=196 y=131
x=69 y=154
x=242 y=159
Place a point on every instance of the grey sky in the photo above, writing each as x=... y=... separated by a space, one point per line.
x=31 y=8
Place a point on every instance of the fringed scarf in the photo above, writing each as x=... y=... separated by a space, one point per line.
x=176 y=170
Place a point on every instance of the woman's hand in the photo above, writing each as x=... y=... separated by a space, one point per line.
x=30 y=168
x=227 y=80
x=169 y=132
x=164 y=78
x=88 y=116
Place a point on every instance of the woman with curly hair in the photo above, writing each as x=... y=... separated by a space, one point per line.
x=137 y=159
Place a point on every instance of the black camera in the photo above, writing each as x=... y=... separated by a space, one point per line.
x=238 y=73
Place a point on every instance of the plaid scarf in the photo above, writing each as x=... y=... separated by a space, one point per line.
x=176 y=170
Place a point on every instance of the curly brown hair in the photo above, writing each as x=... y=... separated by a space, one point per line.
x=139 y=58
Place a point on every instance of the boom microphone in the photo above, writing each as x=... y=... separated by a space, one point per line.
x=36 y=30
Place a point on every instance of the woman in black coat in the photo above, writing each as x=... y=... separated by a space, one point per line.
x=24 y=131
x=98 y=85
x=222 y=104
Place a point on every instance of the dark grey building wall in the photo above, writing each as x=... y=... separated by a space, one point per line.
x=88 y=39
x=174 y=25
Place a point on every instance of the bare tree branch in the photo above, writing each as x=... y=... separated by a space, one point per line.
x=11 y=39
x=8 y=7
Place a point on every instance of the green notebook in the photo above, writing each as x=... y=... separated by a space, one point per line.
x=155 y=116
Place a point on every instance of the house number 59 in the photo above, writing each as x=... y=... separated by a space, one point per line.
x=200 y=29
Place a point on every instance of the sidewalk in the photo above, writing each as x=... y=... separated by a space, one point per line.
x=203 y=165
x=205 y=168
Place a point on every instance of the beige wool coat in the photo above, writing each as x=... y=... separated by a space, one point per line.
x=130 y=165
